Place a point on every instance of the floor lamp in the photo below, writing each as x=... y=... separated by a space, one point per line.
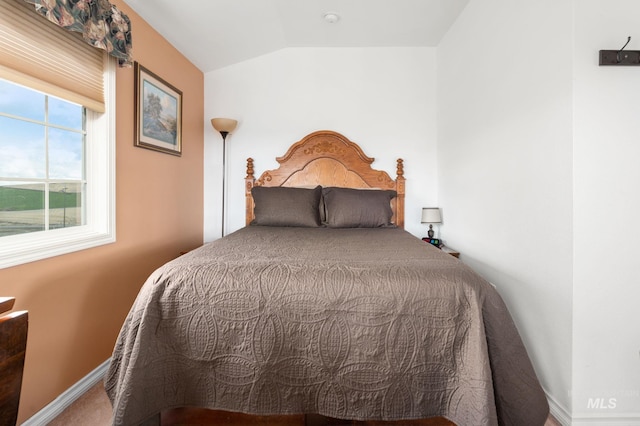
x=224 y=126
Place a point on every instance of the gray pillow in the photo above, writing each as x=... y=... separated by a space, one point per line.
x=355 y=208
x=283 y=206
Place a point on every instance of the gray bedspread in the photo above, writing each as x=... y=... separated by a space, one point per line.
x=347 y=323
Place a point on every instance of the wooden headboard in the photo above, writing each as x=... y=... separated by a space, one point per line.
x=327 y=158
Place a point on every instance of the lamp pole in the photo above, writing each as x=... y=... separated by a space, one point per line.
x=224 y=172
x=224 y=126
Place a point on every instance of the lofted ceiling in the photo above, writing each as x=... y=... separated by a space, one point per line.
x=216 y=33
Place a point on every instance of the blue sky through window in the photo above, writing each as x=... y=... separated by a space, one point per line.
x=20 y=101
x=23 y=143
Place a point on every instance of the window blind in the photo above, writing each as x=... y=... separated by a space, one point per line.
x=37 y=53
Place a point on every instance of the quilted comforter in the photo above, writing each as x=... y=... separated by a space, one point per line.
x=347 y=323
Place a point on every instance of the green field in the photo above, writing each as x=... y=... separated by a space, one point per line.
x=22 y=208
x=18 y=199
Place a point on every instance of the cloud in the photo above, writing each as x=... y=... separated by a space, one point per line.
x=21 y=162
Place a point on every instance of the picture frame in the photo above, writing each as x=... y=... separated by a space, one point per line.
x=158 y=113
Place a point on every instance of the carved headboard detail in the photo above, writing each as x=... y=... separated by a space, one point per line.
x=327 y=158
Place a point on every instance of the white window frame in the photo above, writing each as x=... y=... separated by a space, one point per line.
x=100 y=227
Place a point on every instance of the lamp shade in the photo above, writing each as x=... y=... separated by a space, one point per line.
x=224 y=124
x=431 y=215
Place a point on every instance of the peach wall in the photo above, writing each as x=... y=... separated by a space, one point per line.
x=77 y=302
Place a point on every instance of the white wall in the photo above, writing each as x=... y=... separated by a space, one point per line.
x=505 y=167
x=606 y=202
x=381 y=98
x=539 y=171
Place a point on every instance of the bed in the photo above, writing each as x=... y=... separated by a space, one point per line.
x=323 y=305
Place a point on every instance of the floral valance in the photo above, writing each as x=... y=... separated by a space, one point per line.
x=102 y=25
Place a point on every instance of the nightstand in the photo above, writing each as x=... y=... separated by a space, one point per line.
x=450 y=251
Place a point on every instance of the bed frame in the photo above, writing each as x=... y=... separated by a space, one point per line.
x=324 y=158
x=327 y=158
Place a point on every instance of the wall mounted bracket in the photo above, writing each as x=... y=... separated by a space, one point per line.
x=615 y=57
x=620 y=57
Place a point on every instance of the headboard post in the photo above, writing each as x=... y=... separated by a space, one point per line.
x=249 y=181
x=399 y=200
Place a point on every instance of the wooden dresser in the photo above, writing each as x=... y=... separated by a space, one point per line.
x=13 y=344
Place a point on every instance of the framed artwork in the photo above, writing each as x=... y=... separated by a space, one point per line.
x=158 y=113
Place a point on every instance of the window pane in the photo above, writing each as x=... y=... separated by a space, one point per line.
x=21 y=208
x=65 y=205
x=20 y=101
x=65 y=154
x=65 y=114
x=22 y=149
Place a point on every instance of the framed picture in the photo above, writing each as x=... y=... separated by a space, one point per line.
x=158 y=113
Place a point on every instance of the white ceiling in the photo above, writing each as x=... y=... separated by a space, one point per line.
x=217 y=33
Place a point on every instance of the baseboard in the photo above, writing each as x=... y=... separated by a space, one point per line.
x=622 y=419
x=591 y=419
x=58 y=405
x=558 y=411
